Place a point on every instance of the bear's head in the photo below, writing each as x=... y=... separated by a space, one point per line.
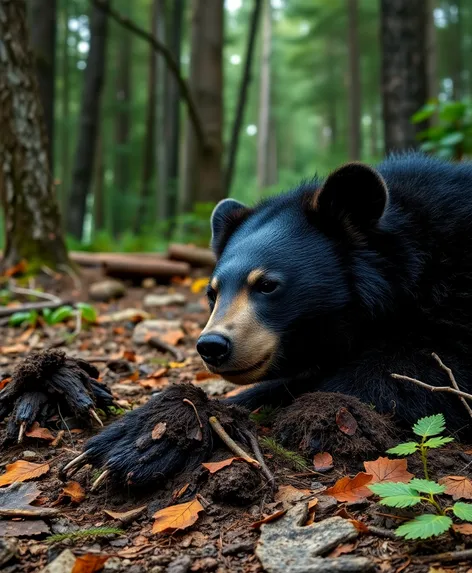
x=282 y=286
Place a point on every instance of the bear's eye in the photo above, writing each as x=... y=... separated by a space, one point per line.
x=266 y=286
x=211 y=294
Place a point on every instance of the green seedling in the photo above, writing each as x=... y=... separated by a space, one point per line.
x=422 y=491
x=56 y=316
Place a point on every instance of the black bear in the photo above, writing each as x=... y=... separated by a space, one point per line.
x=331 y=287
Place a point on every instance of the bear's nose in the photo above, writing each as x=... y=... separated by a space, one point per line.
x=214 y=348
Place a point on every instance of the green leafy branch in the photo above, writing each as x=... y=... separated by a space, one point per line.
x=51 y=317
x=423 y=491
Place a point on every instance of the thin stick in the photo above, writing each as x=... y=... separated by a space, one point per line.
x=9 y=310
x=447 y=556
x=380 y=532
x=101 y=478
x=260 y=458
x=95 y=416
x=232 y=445
x=76 y=461
x=187 y=401
x=453 y=381
x=433 y=388
x=36 y=293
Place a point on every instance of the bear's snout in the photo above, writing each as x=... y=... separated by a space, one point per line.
x=215 y=349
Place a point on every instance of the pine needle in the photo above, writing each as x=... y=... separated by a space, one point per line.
x=296 y=461
x=84 y=533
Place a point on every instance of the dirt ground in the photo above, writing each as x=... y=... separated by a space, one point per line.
x=223 y=538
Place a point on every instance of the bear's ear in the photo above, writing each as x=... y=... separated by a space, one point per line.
x=355 y=195
x=226 y=217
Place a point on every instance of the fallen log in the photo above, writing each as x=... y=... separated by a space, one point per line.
x=141 y=267
x=195 y=256
x=86 y=259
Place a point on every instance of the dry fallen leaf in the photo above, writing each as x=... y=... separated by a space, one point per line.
x=129 y=355
x=459 y=487
x=178 y=493
x=269 y=518
x=464 y=528
x=351 y=489
x=172 y=337
x=40 y=433
x=290 y=494
x=323 y=462
x=126 y=516
x=73 y=490
x=28 y=528
x=4 y=382
x=359 y=525
x=158 y=431
x=311 y=511
x=15 y=501
x=22 y=471
x=89 y=563
x=346 y=422
x=342 y=550
x=177 y=517
x=19 y=268
x=158 y=373
x=214 y=467
x=13 y=349
x=385 y=469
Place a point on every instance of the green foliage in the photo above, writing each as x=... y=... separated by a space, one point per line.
x=422 y=490
x=58 y=315
x=88 y=312
x=296 y=461
x=93 y=532
x=26 y=318
x=265 y=415
x=425 y=526
x=54 y=316
x=451 y=135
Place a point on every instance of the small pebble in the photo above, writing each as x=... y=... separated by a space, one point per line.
x=29 y=455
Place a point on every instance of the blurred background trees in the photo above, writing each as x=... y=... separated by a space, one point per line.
x=270 y=92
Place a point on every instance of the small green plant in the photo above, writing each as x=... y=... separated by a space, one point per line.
x=296 y=461
x=424 y=491
x=56 y=316
x=93 y=532
x=265 y=415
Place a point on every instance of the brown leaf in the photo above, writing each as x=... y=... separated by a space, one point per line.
x=459 y=487
x=323 y=462
x=178 y=493
x=22 y=471
x=13 y=349
x=177 y=517
x=342 y=549
x=311 y=511
x=172 y=337
x=351 y=489
x=4 y=382
x=28 y=528
x=214 y=467
x=290 y=494
x=26 y=334
x=346 y=422
x=154 y=382
x=359 y=525
x=159 y=430
x=19 y=268
x=41 y=433
x=129 y=355
x=74 y=491
x=15 y=501
x=268 y=518
x=158 y=373
x=89 y=563
x=126 y=516
x=385 y=469
x=464 y=528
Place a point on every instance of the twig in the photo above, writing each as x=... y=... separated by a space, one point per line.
x=232 y=445
x=447 y=556
x=159 y=344
x=36 y=293
x=453 y=381
x=433 y=388
x=33 y=512
x=380 y=532
x=169 y=59
x=187 y=401
x=10 y=310
x=260 y=458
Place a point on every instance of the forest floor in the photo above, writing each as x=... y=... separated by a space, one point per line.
x=225 y=534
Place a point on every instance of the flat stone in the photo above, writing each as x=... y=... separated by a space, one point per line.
x=159 y=300
x=147 y=328
x=29 y=455
x=64 y=563
x=286 y=546
x=180 y=565
x=106 y=290
x=217 y=386
x=124 y=315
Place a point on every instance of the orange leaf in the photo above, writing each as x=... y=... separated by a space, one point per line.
x=19 y=268
x=464 y=528
x=323 y=462
x=22 y=471
x=458 y=486
x=126 y=516
x=360 y=526
x=205 y=375
x=172 y=337
x=154 y=382
x=4 y=382
x=89 y=563
x=346 y=422
x=342 y=549
x=288 y=493
x=385 y=469
x=269 y=518
x=158 y=373
x=129 y=355
x=178 y=493
x=158 y=431
x=177 y=517
x=214 y=467
x=41 y=433
x=26 y=334
x=311 y=511
x=75 y=491
x=351 y=489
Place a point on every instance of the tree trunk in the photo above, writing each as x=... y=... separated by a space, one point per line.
x=404 y=70
x=245 y=81
x=162 y=199
x=431 y=51
x=32 y=220
x=173 y=121
x=43 y=30
x=90 y=107
x=354 y=96
x=99 y=187
x=202 y=177
x=65 y=127
x=265 y=164
x=457 y=56
x=148 y=152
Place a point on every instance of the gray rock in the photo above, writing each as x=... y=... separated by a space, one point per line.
x=112 y=564
x=158 y=300
x=29 y=455
x=148 y=328
x=124 y=315
x=326 y=503
x=180 y=565
x=64 y=563
x=217 y=386
x=127 y=389
x=8 y=550
x=106 y=290
x=148 y=282
x=286 y=546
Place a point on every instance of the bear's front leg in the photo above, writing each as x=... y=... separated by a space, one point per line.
x=169 y=434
